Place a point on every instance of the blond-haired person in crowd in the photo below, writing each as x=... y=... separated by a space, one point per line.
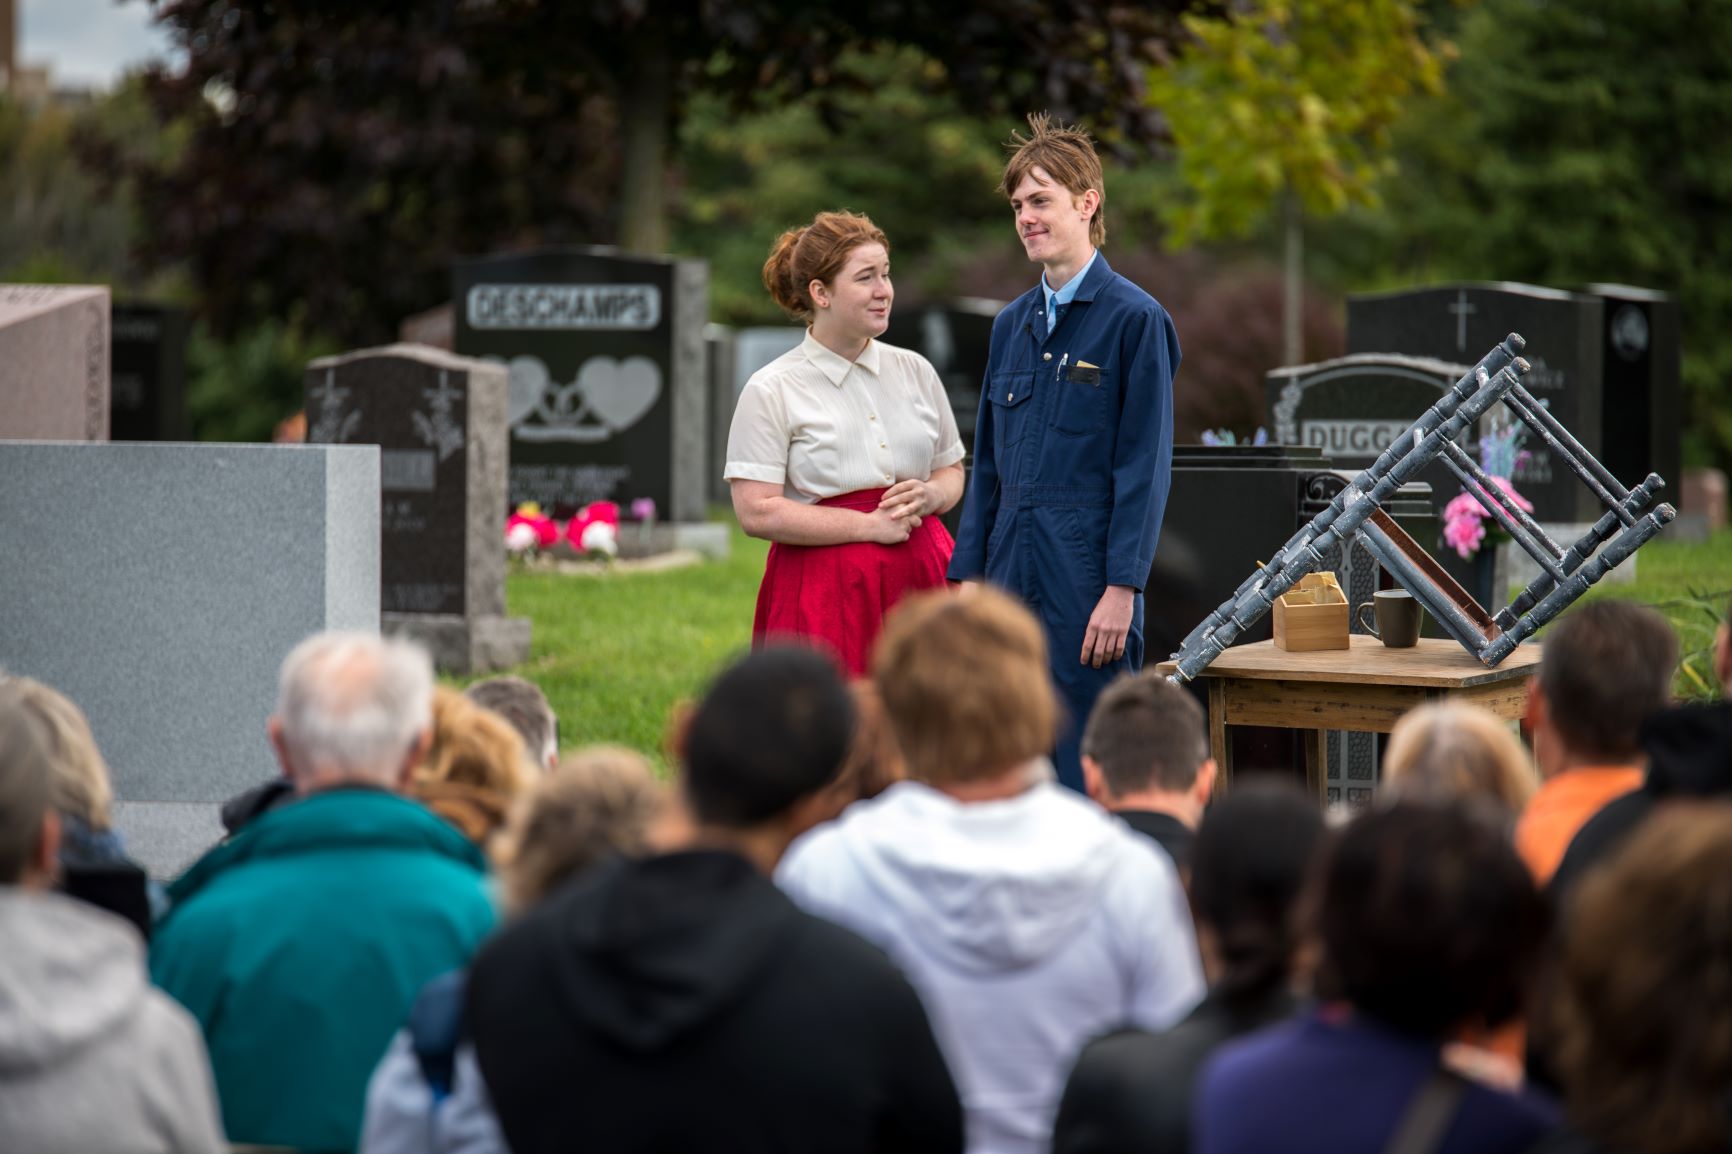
x=94 y=865
x=1451 y=750
x=842 y=452
x=91 y=1057
x=475 y=768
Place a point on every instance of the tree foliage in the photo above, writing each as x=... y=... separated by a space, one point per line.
x=1288 y=96
x=1577 y=143
x=339 y=155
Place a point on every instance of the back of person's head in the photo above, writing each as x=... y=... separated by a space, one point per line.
x=1642 y=1012
x=596 y=802
x=352 y=706
x=1606 y=667
x=26 y=786
x=1146 y=733
x=81 y=781
x=770 y=733
x=1427 y=918
x=473 y=746
x=1451 y=750
x=1250 y=863
x=1067 y=155
x=815 y=252
x=525 y=706
x=965 y=684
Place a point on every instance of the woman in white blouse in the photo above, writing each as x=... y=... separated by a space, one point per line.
x=844 y=451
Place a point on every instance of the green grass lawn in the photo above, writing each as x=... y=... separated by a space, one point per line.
x=615 y=652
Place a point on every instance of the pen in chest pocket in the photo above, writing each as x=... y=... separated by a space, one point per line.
x=1059 y=375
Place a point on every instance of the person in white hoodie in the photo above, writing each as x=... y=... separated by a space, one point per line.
x=92 y=1058
x=1028 y=918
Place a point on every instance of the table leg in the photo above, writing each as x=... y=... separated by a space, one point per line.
x=1219 y=748
x=1316 y=742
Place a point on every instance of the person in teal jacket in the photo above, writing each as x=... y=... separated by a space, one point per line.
x=300 y=943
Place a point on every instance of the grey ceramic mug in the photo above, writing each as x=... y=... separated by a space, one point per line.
x=1398 y=618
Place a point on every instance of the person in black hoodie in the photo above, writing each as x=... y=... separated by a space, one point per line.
x=1130 y=1092
x=681 y=1002
x=1689 y=758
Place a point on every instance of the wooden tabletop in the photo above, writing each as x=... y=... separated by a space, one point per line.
x=1433 y=663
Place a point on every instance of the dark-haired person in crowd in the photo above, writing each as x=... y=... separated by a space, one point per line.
x=428 y=1096
x=1028 y=918
x=1145 y=757
x=1073 y=450
x=1131 y=1090
x=1689 y=751
x=683 y=1000
x=1427 y=922
x=844 y=451
x=1642 y=1014
x=94 y=865
x=91 y=1057
x=1607 y=667
x=300 y=943
x=525 y=706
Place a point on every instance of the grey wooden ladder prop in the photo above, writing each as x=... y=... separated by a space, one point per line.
x=1357 y=513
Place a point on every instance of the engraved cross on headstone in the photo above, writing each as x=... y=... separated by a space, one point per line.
x=1461 y=308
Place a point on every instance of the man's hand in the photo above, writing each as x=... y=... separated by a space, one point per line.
x=1109 y=625
x=911 y=498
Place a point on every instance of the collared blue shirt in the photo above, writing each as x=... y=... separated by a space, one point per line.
x=1063 y=296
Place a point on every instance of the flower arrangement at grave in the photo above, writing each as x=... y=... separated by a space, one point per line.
x=1467 y=525
x=529 y=530
x=594 y=531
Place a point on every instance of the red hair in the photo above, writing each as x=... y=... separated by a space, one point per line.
x=816 y=252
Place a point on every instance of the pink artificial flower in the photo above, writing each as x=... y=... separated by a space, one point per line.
x=530 y=516
x=1464 y=534
x=1465 y=507
x=1509 y=488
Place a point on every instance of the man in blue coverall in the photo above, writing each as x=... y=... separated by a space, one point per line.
x=1073 y=450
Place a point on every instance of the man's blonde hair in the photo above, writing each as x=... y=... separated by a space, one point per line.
x=1067 y=154
x=965 y=684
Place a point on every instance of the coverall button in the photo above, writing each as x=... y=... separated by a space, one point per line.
x=1046 y=356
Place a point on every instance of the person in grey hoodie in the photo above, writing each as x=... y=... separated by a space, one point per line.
x=1029 y=919
x=92 y=1058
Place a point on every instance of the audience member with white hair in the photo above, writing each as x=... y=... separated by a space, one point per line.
x=91 y=1058
x=300 y=943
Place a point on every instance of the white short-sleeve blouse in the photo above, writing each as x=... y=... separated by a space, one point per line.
x=821 y=426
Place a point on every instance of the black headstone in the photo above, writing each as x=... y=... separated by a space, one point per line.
x=147 y=357
x=437 y=420
x=1460 y=323
x=607 y=365
x=1643 y=408
x=1352 y=407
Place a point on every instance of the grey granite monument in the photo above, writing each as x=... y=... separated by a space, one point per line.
x=54 y=362
x=160 y=587
x=439 y=422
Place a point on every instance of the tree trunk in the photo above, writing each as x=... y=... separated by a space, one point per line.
x=1293 y=294
x=645 y=115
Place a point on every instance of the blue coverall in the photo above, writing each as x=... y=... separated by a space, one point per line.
x=1073 y=456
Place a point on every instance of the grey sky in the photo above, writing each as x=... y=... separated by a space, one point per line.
x=87 y=43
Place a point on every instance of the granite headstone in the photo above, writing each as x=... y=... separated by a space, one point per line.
x=608 y=397
x=54 y=362
x=956 y=336
x=148 y=359
x=1643 y=407
x=1565 y=336
x=160 y=587
x=439 y=422
x=1352 y=407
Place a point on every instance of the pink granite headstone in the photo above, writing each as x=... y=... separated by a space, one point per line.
x=54 y=366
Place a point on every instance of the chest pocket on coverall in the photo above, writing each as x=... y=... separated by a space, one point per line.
x=1010 y=392
x=1082 y=400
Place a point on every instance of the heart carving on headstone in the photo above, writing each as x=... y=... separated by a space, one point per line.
x=620 y=392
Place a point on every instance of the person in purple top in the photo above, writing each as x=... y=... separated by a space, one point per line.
x=1428 y=923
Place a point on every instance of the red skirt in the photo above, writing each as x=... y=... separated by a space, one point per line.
x=836 y=596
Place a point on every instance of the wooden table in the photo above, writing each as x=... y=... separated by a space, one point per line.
x=1364 y=688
